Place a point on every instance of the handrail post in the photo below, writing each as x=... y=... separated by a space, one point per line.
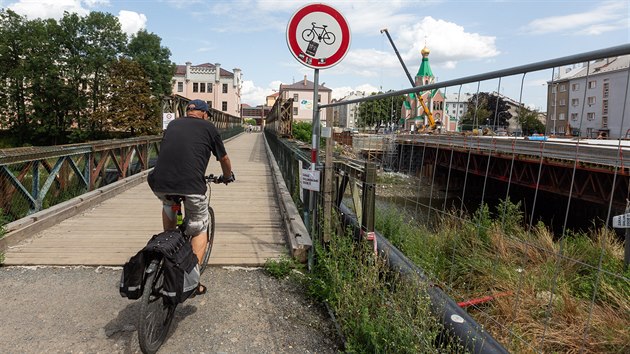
x=369 y=192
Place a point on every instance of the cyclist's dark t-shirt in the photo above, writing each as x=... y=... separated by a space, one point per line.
x=186 y=148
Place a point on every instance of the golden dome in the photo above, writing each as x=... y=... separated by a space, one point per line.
x=425 y=51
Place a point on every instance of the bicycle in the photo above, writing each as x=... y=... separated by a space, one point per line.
x=156 y=313
x=310 y=33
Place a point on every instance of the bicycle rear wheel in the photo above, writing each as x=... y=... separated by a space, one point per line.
x=156 y=313
x=210 y=233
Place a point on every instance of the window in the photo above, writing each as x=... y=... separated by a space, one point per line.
x=224 y=106
x=606 y=85
x=605 y=107
x=209 y=104
x=590 y=116
x=180 y=87
x=209 y=87
x=604 y=121
x=295 y=111
x=561 y=129
x=195 y=87
x=319 y=98
x=561 y=116
x=591 y=100
x=563 y=88
x=574 y=116
x=592 y=84
x=296 y=97
x=202 y=87
x=575 y=102
x=553 y=117
x=225 y=88
x=563 y=102
x=575 y=87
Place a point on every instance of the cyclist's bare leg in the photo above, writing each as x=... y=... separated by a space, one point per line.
x=167 y=223
x=199 y=243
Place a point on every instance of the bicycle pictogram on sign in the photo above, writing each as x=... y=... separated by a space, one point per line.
x=318 y=36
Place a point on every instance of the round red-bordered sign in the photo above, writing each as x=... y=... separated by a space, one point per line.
x=318 y=36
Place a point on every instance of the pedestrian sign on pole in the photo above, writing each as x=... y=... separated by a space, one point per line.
x=621 y=221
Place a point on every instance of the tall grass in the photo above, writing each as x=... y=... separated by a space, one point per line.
x=378 y=312
x=557 y=289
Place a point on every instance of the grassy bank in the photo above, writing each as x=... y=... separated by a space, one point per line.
x=377 y=311
x=576 y=301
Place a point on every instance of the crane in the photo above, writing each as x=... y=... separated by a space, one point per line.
x=432 y=124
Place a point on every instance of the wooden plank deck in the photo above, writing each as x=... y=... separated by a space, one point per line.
x=249 y=227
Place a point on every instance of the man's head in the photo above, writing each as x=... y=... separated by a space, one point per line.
x=197 y=109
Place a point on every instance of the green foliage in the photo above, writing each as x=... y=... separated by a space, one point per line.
x=485 y=108
x=146 y=49
x=280 y=268
x=530 y=124
x=491 y=253
x=55 y=77
x=130 y=105
x=303 y=131
x=378 y=311
x=250 y=121
x=379 y=112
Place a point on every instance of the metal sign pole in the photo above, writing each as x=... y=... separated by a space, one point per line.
x=315 y=147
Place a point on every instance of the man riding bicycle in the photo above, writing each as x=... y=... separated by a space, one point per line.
x=186 y=148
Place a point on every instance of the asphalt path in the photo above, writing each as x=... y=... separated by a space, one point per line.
x=79 y=310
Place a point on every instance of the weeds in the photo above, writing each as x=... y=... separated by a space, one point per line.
x=378 y=311
x=281 y=268
x=553 y=294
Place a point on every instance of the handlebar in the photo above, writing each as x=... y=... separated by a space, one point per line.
x=220 y=179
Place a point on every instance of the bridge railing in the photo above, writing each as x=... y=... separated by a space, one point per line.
x=516 y=230
x=35 y=178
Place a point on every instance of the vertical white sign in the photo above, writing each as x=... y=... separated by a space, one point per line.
x=167 y=118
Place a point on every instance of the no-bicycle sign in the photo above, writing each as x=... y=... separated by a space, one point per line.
x=318 y=36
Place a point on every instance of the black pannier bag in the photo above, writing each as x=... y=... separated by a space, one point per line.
x=180 y=266
x=132 y=278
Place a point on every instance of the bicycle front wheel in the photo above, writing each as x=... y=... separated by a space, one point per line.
x=210 y=234
x=156 y=313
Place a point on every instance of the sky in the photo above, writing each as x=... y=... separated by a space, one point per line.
x=465 y=38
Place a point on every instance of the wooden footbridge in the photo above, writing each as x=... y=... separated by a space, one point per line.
x=249 y=225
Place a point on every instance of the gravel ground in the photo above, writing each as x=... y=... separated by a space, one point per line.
x=79 y=310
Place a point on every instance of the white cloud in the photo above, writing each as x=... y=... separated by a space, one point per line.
x=47 y=8
x=448 y=42
x=131 y=22
x=608 y=16
x=94 y=3
x=254 y=95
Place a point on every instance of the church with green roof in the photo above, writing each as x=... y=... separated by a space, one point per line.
x=414 y=115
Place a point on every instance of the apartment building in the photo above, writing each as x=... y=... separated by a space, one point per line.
x=455 y=107
x=589 y=99
x=346 y=115
x=211 y=83
x=302 y=94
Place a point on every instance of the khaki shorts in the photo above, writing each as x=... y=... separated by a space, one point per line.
x=195 y=210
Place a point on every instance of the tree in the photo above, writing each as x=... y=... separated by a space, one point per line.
x=486 y=108
x=146 y=49
x=105 y=41
x=530 y=124
x=12 y=71
x=129 y=106
x=379 y=112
